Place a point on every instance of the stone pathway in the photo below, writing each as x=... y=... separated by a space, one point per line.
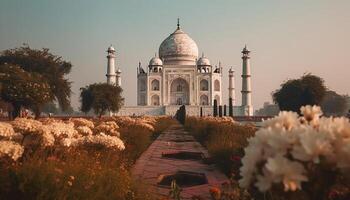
x=151 y=167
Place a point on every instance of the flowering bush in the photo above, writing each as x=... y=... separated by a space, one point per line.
x=10 y=149
x=108 y=127
x=74 y=159
x=309 y=154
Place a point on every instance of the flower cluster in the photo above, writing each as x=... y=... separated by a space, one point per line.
x=147 y=123
x=108 y=127
x=98 y=140
x=284 y=148
x=23 y=132
x=11 y=149
x=7 y=132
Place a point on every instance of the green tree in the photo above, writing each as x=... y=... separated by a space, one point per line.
x=307 y=90
x=334 y=104
x=101 y=97
x=23 y=89
x=51 y=68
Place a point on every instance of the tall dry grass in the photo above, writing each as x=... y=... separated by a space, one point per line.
x=224 y=139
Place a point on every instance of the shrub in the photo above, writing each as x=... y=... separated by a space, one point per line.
x=223 y=138
x=75 y=159
x=296 y=157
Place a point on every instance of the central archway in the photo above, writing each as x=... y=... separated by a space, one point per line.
x=179 y=92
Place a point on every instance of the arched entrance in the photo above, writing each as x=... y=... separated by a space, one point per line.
x=204 y=100
x=155 y=100
x=179 y=92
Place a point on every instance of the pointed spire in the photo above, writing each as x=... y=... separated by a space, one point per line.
x=139 y=64
x=178 y=23
x=155 y=55
x=202 y=54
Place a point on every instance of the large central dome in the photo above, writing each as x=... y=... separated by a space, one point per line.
x=178 y=49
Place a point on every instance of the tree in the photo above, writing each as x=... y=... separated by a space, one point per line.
x=51 y=68
x=101 y=97
x=334 y=104
x=307 y=90
x=23 y=89
x=215 y=107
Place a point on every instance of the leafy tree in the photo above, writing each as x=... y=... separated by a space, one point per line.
x=101 y=97
x=334 y=104
x=307 y=90
x=24 y=89
x=51 y=68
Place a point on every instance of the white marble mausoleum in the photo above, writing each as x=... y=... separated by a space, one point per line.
x=178 y=76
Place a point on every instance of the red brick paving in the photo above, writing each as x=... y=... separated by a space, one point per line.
x=151 y=165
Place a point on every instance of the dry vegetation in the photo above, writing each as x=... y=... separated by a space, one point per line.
x=74 y=159
x=290 y=157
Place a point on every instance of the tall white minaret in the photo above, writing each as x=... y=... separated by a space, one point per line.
x=111 y=75
x=119 y=77
x=231 y=86
x=247 y=108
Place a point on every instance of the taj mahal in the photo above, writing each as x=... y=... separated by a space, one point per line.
x=177 y=76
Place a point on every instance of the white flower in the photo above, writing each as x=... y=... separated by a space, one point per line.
x=109 y=127
x=285 y=119
x=101 y=139
x=280 y=149
x=311 y=113
x=82 y=122
x=7 y=132
x=312 y=145
x=84 y=130
x=11 y=149
x=291 y=173
x=25 y=126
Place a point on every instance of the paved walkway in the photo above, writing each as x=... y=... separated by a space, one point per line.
x=152 y=166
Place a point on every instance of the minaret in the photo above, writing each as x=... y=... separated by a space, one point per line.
x=111 y=75
x=247 y=108
x=231 y=86
x=118 y=77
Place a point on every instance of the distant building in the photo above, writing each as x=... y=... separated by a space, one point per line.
x=268 y=109
x=177 y=76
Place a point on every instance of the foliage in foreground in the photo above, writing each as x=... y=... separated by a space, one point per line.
x=223 y=138
x=76 y=162
x=294 y=157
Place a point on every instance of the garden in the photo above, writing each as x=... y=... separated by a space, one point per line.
x=290 y=157
x=76 y=158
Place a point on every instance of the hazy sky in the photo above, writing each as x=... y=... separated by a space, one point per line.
x=287 y=38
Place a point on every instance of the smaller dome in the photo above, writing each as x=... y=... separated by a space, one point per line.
x=119 y=71
x=155 y=61
x=203 y=61
x=111 y=48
